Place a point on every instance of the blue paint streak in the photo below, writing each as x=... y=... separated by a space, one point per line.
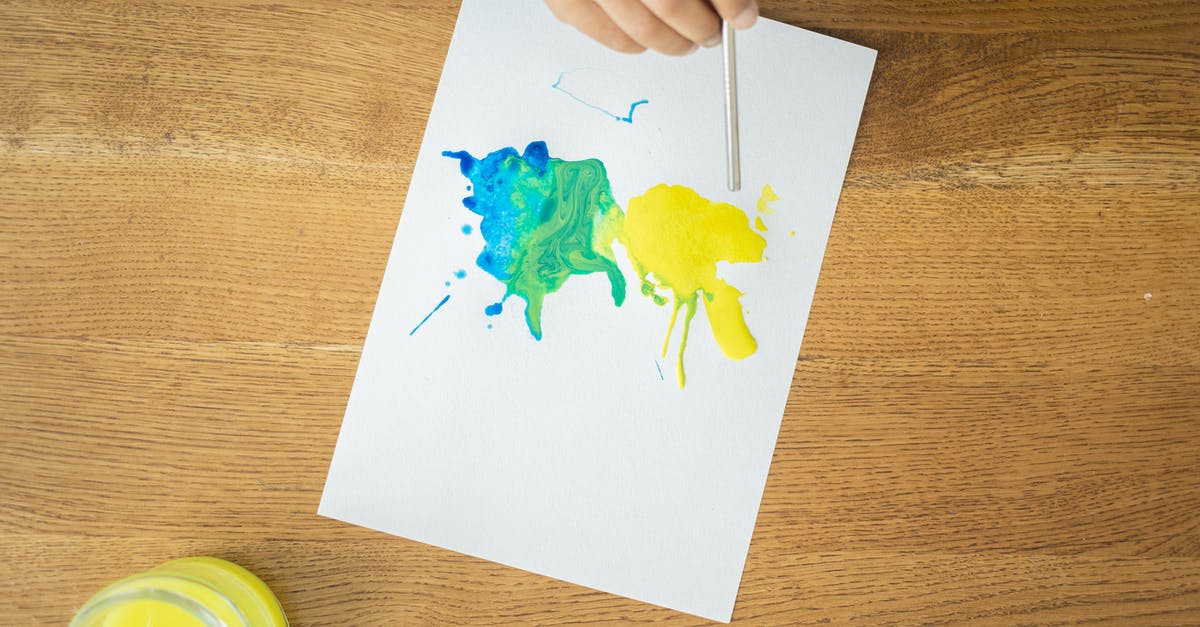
x=660 y=377
x=627 y=118
x=430 y=314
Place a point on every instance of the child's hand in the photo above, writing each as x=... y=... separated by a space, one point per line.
x=669 y=26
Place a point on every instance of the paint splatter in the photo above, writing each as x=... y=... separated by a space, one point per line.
x=430 y=314
x=675 y=237
x=768 y=196
x=460 y=274
x=627 y=118
x=466 y=229
x=544 y=220
x=763 y=207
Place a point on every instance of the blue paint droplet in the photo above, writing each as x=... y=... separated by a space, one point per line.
x=537 y=155
x=468 y=188
x=447 y=284
x=489 y=325
x=466 y=229
x=494 y=309
x=465 y=161
x=460 y=274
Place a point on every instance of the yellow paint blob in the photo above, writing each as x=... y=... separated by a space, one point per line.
x=763 y=206
x=768 y=196
x=674 y=238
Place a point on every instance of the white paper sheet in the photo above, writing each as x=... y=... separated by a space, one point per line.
x=578 y=456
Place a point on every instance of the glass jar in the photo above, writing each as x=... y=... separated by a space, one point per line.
x=189 y=592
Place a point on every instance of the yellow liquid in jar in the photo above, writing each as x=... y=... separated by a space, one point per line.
x=190 y=592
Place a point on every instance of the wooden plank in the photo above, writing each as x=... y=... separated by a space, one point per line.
x=382 y=581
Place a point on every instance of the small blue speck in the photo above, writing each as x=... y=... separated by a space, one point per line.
x=447 y=284
x=466 y=229
x=494 y=309
x=460 y=274
x=489 y=325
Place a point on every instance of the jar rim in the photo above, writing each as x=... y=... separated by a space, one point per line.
x=105 y=602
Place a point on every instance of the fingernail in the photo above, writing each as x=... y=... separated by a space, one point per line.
x=746 y=18
x=691 y=49
x=712 y=41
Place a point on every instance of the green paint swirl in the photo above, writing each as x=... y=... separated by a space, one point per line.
x=544 y=220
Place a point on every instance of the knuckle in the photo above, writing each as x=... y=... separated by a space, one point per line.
x=628 y=46
x=671 y=9
x=675 y=47
x=619 y=41
x=644 y=31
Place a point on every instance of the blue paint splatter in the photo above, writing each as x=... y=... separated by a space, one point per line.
x=430 y=314
x=460 y=274
x=627 y=118
x=466 y=229
x=447 y=284
x=544 y=221
x=660 y=375
x=489 y=325
x=494 y=309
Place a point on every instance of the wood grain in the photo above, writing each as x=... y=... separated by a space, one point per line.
x=996 y=414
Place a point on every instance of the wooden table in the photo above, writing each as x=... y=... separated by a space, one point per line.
x=995 y=418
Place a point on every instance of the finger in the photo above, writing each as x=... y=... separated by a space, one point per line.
x=741 y=14
x=694 y=19
x=645 y=28
x=592 y=21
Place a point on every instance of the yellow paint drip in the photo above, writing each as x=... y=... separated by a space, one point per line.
x=758 y=224
x=674 y=238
